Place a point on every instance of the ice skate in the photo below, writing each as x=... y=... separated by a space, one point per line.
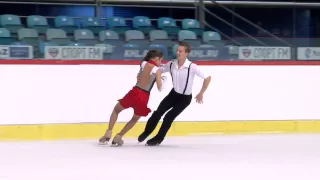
x=105 y=138
x=142 y=137
x=117 y=140
x=154 y=141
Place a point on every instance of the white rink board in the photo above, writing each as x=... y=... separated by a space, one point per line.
x=39 y=94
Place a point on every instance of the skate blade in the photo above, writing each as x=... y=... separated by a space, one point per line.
x=152 y=144
x=106 y=141
x=115 y=145
x=103 y=143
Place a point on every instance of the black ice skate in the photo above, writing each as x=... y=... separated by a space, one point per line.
x=142 y=137
x=154 y=141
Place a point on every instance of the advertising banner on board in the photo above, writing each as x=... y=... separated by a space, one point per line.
x=264 y=53
x=209 y=53
x=74 y=52
x=135 y=53
x=197 y=53
x=308 y=53
x=16 y=52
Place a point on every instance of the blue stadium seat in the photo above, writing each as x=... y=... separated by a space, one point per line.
x=169 y=25
x=131 y=45
x=28 y=36
x=212 y=38
x=5 y=37
x=11 y=22
x=118 y=24
x=161 y=48
x=160 y=37
x=143 y=24
x=38 y=23
x=66 y=23
x=85 y=36
x=93 y=24
x=76 y=44
x=57 y=36
x=136 y=37
x=174 y=50
x=18 y=43
x=110 y=37
x=192 y=25
x=108 y=50
x=190 y=37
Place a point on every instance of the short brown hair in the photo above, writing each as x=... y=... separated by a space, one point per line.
x=153 y=54
x=186 y=46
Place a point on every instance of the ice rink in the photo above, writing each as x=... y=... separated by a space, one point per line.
x=214 y=157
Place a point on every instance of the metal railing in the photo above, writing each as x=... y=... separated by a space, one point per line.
x=233 y=26
x=98 y=4
x=48 y=3
x=176 y=2
x=199 y=6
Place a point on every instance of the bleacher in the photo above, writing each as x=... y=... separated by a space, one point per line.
x=112 y=35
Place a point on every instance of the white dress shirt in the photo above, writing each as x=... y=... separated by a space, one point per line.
x=180 y=76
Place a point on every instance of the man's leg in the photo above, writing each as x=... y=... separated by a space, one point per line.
x=168 y=119
x=152 y=122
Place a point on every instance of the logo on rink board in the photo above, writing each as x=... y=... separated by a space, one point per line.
x=74 y=52
x=308 y=53
x=264 y=53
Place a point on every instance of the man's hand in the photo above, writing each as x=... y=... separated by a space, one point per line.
x=199 y=98
x=164 y=78
x=205 y=85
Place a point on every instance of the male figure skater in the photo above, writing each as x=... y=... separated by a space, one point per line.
x=138 y=97
x=182 y=72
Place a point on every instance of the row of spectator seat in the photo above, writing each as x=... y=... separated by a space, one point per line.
x=117 y=24
x=60 y=37
x=38 y=33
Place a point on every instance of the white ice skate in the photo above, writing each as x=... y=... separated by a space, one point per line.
x=105 y=138
x=117 y=140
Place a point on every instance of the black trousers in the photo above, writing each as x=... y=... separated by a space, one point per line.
x=174 y=101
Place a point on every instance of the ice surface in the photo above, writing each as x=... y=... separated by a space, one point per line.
x=219 y=157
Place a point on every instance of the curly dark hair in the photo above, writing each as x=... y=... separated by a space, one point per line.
x=153 y=54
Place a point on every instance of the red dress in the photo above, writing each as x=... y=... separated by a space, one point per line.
x=137 y=99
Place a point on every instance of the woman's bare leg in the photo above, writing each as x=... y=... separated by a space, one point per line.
x=114 y=116
x=113 y=119
x=129 y=125
x=118 y=138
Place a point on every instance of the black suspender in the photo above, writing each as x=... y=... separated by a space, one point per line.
x=171 y=72
x=185 y=88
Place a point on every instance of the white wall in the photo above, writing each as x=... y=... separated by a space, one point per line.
x=33 y=94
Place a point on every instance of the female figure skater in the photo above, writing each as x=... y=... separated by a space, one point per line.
x=138 y=97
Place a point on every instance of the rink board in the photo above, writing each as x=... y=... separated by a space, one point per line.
x=89 y=131
x=48 y=100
